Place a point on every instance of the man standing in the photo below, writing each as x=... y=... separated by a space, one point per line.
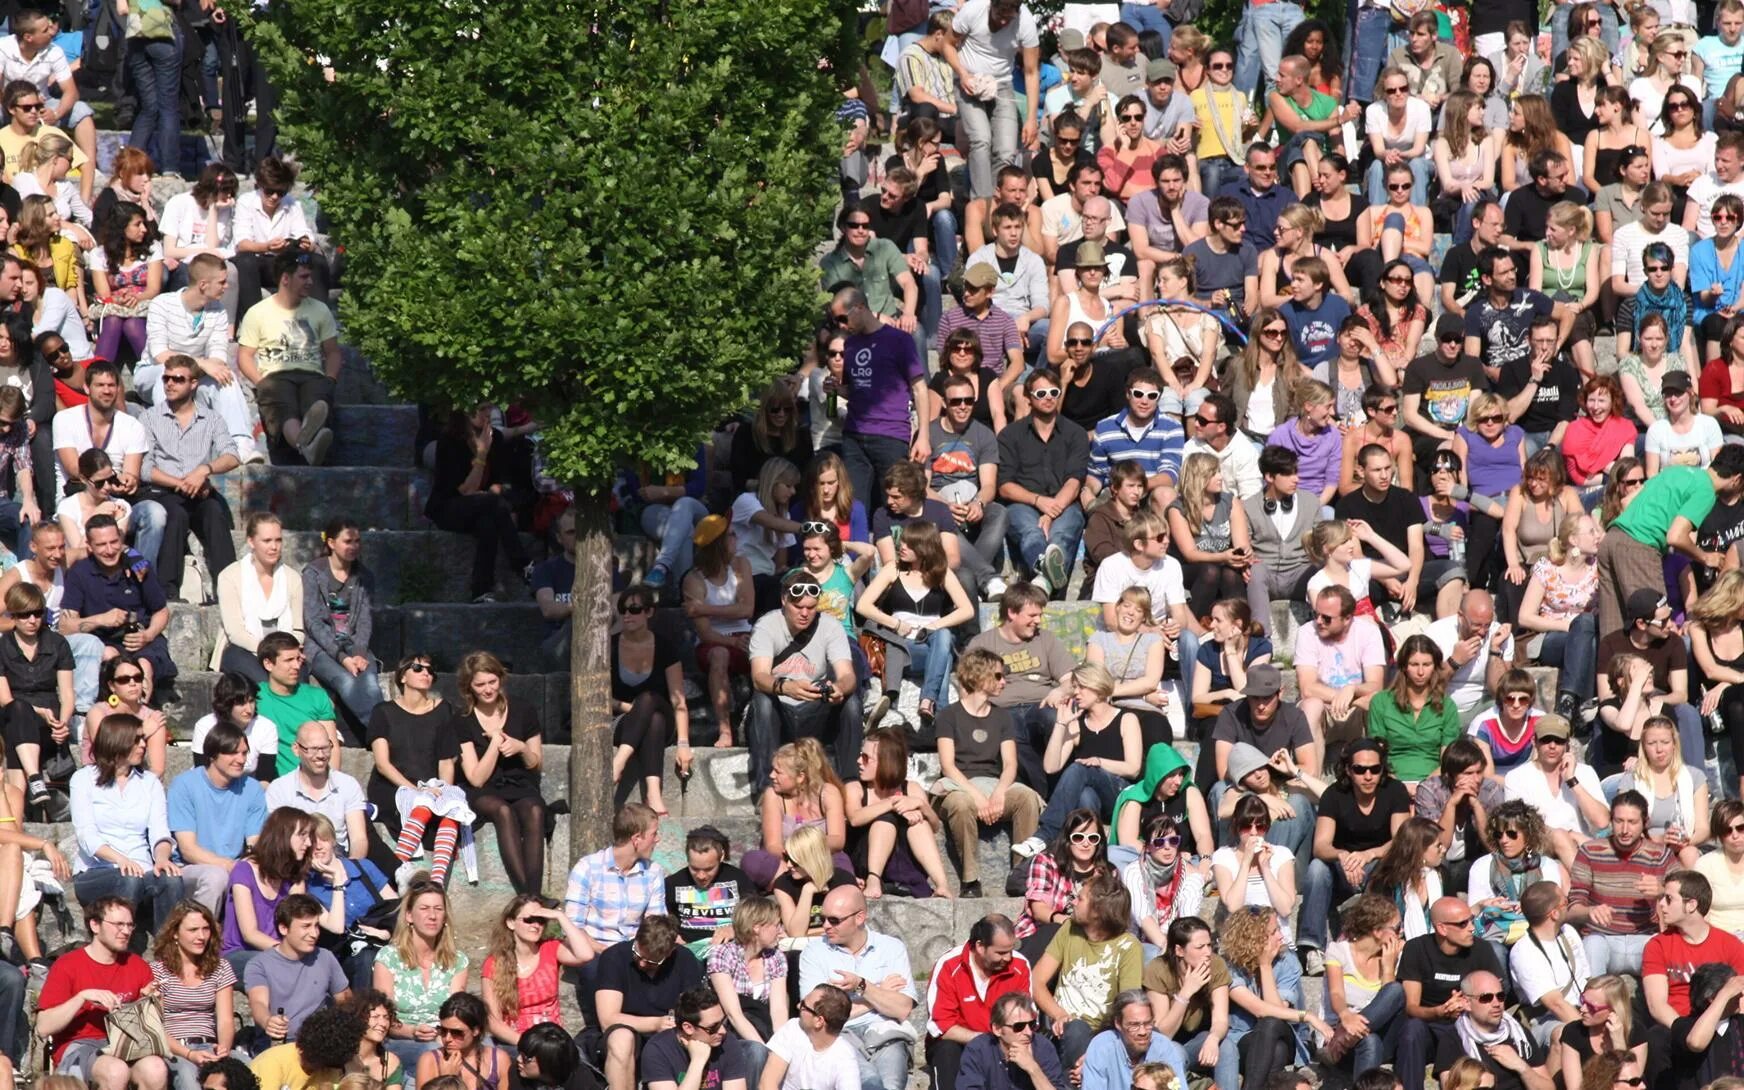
x=964 y=993
x=695 y=1053
x=1430 y=970
x=1475 y=649
x=874 y=267
x=83 y=986
x=1036 y=663
x=1614 y=885
x=1708 y=188
x=802 y=681
x=1015 y=1055
x=292 y=980
x=1662 y=516
x=288 y=702
x=192 y=322
x=1214 y=431
x=1395 y=515
x=290 y=351
x=1141 y=434
x=1001 y=343
x=1022 y=290
x=1685 y=942
x=188 y=447
x=1340 y=666
x=1260 y=195
x=640 y=982
x=1162 y=222
x=612 y=890
x=873 y=969
x=1130 y=1040
x=1042 y=461
x=1497 y=322
x=986 y=38
x=884 y=383
x=316 y=787
x=215 y=814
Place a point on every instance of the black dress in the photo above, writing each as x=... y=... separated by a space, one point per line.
x=512 y=780
x=984 y=378
x=417 y=744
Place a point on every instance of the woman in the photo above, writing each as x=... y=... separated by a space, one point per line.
x=1358 y=814
x=1312 y=40
x=1262 y=380
x=1607 y=1026
x=1399 y=125
x=97 y=474
x=803 y=792
x=648 y=717
x=235 y=701
x=1520 y=854
x=1189 y=988
x=123 y=687
x=1568 y=266
x=1414 y=715
x=1446 y=528
x=1337 y=546
x=829 y=497
x=919 y=148
x=1083 y=305
x=1396 y=321
x=1668 y=56
x=1166 y=790
x=1478 y=77
x=775 y=431
x=1722 y=380
x=376 y=1012
x=1208 y=532
x=1236 y=643
x=808 y=873
x=338 y=616
x=1682 y=150
x=1256 y=872
x=1134 y=659
x=1225 y=116
x=1465 y=162
x=1288 y=793
x=763 y=531
x=1574 y=102
x=1190 y=52
x=1676 y=794
x=1353 y=371
x=42 y=172
x=918 y=603
x=749 y=972
x=1531 y=129
x=130 y=180
x=1066 y=151
x=1627 y=474
x=1561 y=601
x=201 y=221
x=719 y=598
x=1660 y=297
x=961 y=356
x=126 y=273
x=502 y=749
x=1163 y=884
x=1624 y=715
x=1408 y=876
x=1094 y=749
x=127 y=852
x=39 y=243
x=1716 y=276
x=1716 y=631
x=1127 y=156
x=1183 y=341
x=1364 y=996
x=1339 y=206
x=519 y=1000
x=258 y=594
x=1618 y=204
x=277 y=866
x=196 y=991
x=419 y=968
x=1298 y=227
x=1459 y=800
x=37 y=703
x=465 y=1051
x=1611 y=141
x=1077 y=855
x=1089 y=961
x=899 y=827
x=1724 y=869
x=53 y=311
x=1265 y=997
x=475 y=492
x=1399 y=227
x=1597 y=438
x=357 y=887
x=414 y=740
x=1536 y=512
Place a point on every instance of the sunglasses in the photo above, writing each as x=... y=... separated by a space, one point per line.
x=1204 y=423
x=1021 y=1026
x=1220 y=66
x=1397 y=187
x=1167 y=840
x=1273 y=333
x=1466 y=922
x=1144 y=395
x=1254 y=825
x=632 y=609
x=962 y=350
x=127 y=679
x=1393 y=408
x=711 y=1030
x=1068 y=142
x=1079 y=342
x=836 y=921
x=1045 y=393
x=1553 y=740
x=178 y=379
x=1329 y=618
x=420 y=668
x=803 y=590
x=1132 y=117
x=1086 y=838
x=959 y=402
x=101 y=482
x=453 y=1031
x=1734 y=830
x=1517 y=698
x=857 y=225
x=1634 y=482
x=1680 y=54
x=1485 y=997
x=808 y=1008
x=1658 y=268
x=815 y=527
x=1406 y=280
x=1493 y=418
x=1398 y=90
x=1512 y=834
x=1591 y=1008
x=1365 y=770
x=26 y=614
x=1234 y=224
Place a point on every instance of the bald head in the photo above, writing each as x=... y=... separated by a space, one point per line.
x=314 y=749
x=1480 y=982
x=1448 y=910
x=1478 y=608
x=845 y=916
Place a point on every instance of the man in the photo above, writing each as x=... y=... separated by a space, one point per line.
x=318 y=1057
x=1120 y=270
x=1225 y=267
x=610 y=891
x=695 y=1053
x=1629 y=246
x=924 y=87
x=1543 y=387
x=1260 y=195
x=1317 y=443
x=1727 y=177
x=1722 y=56
x=1307 y=118
x=45 y=569
x=554 y=584
x=986 y=38
x=292 y=980
x=1081 y=94
x=1438 y=387
x=874 y=267
x=802 y=681
x=1550 y=968
x=215 y=814
x=1042 y=461
x=1036 y=665
x=964 y=476
x=965 y=993
x=1141 y=433
x=1146 y=563
x=1214 y=431
x=978 y=767
x=19 y=509
x=188 y=447
x=1022 y=291
x=701 y=898
x=1564 y=791
x=1431 y=67
x=1340 y=666
x=316 y=787
x=1394 y=513
x=1461 y=280
x=1123 y=66
x=1710 y=1046
x=32 y=55
x=1011 y=186
x=1430 y=970
x=1131 y=1040
x=639 y=984
x=193 y=322
x=1016 y=1055
x=1475 y=649
x=884 y=384
x=288 y=701
x=1162 y=222
x=78 y=429
x=1614 y=885
x=1262 y=720
x=1170 y=119
x=808 y=1052
x=1685 y=942
x=1529 y=206
x=1278 y=521
x=1315 y=315
x=1063 y=214
x=290 y=351
x=117 y=602
x=1001 y=343
x=1651 y=633
x=1662 y=516
x=873 y=969
x=85 y=984
x=898 y=214
x=1487 y=1033
x=906 y=500
x=1497 y=321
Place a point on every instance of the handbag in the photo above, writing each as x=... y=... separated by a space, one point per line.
x=136 y=1030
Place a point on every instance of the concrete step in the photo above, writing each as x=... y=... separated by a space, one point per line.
x=421 y=565
x=306 y=497
x=374 y=435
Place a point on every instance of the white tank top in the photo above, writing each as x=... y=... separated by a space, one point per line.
x=715 y=595
x=1075 y=313
x=53 y=596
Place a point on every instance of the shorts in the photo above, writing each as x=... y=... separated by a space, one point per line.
x=1586 y=325
x=288 y=395
x=80 y=1056
x=80 y=111
x=1440 y=571
x=738 y=662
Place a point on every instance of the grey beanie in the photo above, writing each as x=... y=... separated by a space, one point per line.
x=1243 y=760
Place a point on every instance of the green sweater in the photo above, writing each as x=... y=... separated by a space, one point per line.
x=1414 y=742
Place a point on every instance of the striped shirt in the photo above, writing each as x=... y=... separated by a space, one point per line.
x=609 y=903
x=1601 y=877
x=171 y=327
x=997 y=333
x=1156 y=446
x=190 y=1011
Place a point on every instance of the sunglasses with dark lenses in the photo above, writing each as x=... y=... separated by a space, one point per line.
x=1634 y=482
x=836 y=921
x=1365 y=770
x=1079 y=342
x=962 y=349
x=1486 y=997
x=1398 y=187
x=1493 y=418
x=1022 y=1025
x=1086 y=838
x=1274 y=332
x=959 y=402
x=1220 y=66
x=453 y=1031
x=1255 y=825
x=1734 y=830
x=26 y=614
x=1658 y=268
x=1132 y=117
x=803 y=590
x=632 y=609
x=420 y=668
x=127 y=679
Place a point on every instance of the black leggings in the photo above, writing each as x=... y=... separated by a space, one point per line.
x=1268 y=1048
x=1483 y=550
x=491 y=522
x=520 y=829
x=1209 y=583
x=647 y=728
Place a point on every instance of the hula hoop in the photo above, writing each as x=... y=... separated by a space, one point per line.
x=1223 y=319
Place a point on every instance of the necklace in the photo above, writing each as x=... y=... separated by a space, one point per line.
x=1565 y=280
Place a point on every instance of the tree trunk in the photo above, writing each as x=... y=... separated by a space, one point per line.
x=590 y=750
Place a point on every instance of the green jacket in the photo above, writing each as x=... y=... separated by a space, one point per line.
x=1414 y=742
x=1160 y=762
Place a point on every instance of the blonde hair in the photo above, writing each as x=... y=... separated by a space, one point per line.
x=1196 y=473
x=45 y=148
x=447 y=958
x=1312 y=391
x=1593 y=58
x=1483 y=402
x=810 y=852
x=1088 y=675
x=775 y=471
x=1675 y=768
x=1562 y=545
x=1138 y=596
x=1568 y=215
x=1325 y=537
x=1303 y=218
x=1192 y=39
x=752 y=913
x=806 y=760
x=1618 y=994
x=1466 y=1073
x=1722 y=604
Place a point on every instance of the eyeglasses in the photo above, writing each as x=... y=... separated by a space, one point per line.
x=452 y=1031
x=26 y=614
x=1365 y=770
x=420 y=668
x=1144 y=395
x=1085 y=838
x=314 y=751
x=1044 y=393
x=959 y=402
x=1722 y=214
x=803 y=590
x=1485 y=997
x=1392 y=408
x=127 y=679
x=711 y=1030
x=837 y=921
x=1167 y=840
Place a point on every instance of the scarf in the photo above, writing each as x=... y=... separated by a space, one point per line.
x=259 y=608
x=1473 y=1039
x=1165 y=881
x=1510 y=877
x=1669 y=305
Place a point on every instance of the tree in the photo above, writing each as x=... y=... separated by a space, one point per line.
x=606 y=213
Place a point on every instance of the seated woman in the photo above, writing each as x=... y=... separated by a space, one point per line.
x=1561 y=603
x=1626 y=475
x=808 y=873
x=1643 y=373
x=276 y=867
x=40 y=242
x=1414 y=715
x=258 y=594
x=481 y=490
x=823 y=555
x=1263 y=379
x=1364 y=996
x=36 y=690
x=1235 y=643
x=1465 y=162
x=1676 y=794
x=1504 y=731
x=1208 y=532
x=1459 y=799
x=376 y=1013
x=235 y=701
x=648 y=700
x=1095 y=749
x=1165 y=790
x=1597 y=438
x=121 y=824
x=1565 y=266
x=1090 y=960
x=916 y=604
x=121 y=690
x=127 y=272
x=774 y=431
x=763 y=531
x=1265 y=997
x=1397 y=227
x=961 y=357
x=1399 y=125
x=1337 y=546
x=1409 y=874
x=464 y=1051
x=338 y=620
x=1396 y=322
x=521 y=971
x=1722 y=381
x=502 y=749
x=749 y=973
x=804 y=792
x=1521 y=854
x=51 y=310
x=419 y=969
x=1077 y=855
x=1183 y=342
x=1716 y=633
x=415 y=743
x=1716 y=278
x=1290 y=808
x=1607 y=1026
x=896 y=847
x=1358 y=814
x=1445 y=530
x=1298 y=227
x=719 y=600
x=1133 y=657
x=1684 y=437
x=143 y=528
x=365 y=887
x=1188 y=986
x=1163 y=882
x=1536 y=511
x=1255 y=872
x=197 y=991
x=1624 y=714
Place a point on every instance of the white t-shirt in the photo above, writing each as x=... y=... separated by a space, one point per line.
x=48 y=68
x=69 y=511
x=72 y=428
x=1630 y=242
x=835 y=1068
x=1467 y=684
x=1700 y=442
x=263 y=738
x=183 y=224
x=98 y=259
x=1257 y=894
x=1163 y=580
x=1418 y=119
x=1540 y=967
x=1477 y=883
x=990 y=52
x=1527 y=783
x=756 y=544
x=1703 y=192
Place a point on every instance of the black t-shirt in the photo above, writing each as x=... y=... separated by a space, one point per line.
x=665 y=654
x=1448 y=1051
x=1439 y=973
x=1502 y=332
x=977 y=739
x=1555 y=401
x=416 y=743
x=1121 y=263
x=1717 y=533
x=1392 y=517
x=1612 y=747
x=1574 y=1035
x=1337 y=234
x=665 y=1059
x=511 y=778
x=933 y=511
x=1287 y=730
x=33 y=680
x=982 y=411
x=1527 y=212
x=902 y=226
x=703 y=910
x=1103 y=395
x=1445 y=388
x=1665 y=656
x=1460 y=268
x=1724 y=1055
x=788 y=884
x=1355 y=831
x=647 y=995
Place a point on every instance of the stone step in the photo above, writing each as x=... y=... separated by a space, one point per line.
x=306 y=497
x=374 y=435
x=421 y=565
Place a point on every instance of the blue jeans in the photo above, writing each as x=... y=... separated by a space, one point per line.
x=359 y=694
x=1694 y=741
x=1387 y=1005
x=1228 y=1069
x=944 y=225
x=1377 y=184
x=1316 y=908
x=1577 y=652
x=932 y=293
x=867 y=458
x=12 y=1030
x=160 y=891
x=1368 y=28
x=932 y=658
x=1142 y=17
x=13 y=529
x=1031 y=724
x=1080 y=785
x=1260 y=42
x=1189 y=651
x=1023 y=534
x=149 y=519
x=155 y=65
x=87 y=666
x=1214 y=174
x=671 y=525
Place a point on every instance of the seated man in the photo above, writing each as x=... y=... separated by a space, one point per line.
x=698 y=1039
x=1340 y=666
x=1685 y=942
x=1143 y=434
x=289 y=702
x=1130 y=1040
x=192 y=323
x=1475 y=649
x=1430 y=969
x=1036 y=665
x=294 y=979
x=610 y=891
x=702 y=896
x=319 y=1056
x=964 y=476
x=1614 y=886
x=290 y=351
x=803 y=683
x=189 y=446
x=1714 y=993
x=1550 y=971
x=1262 y=720
x=964 y=984
x=1566 y=792
x=1042 y=461
x=215 y=814
x=905 y=501
x=1396 y=515
x=1016 y=1055
x=269 y=224
x=808 y=1052
x=1146 y=563
x=978 y=767
x=639 y=983
x=102 y=424
x=83 y=985
x=873 y=969
x=1487 y=1033
x=122 y=604
x=315 y=786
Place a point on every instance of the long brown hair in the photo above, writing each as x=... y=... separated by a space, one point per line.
x=844 y=511
x=504 y=981
x=447 y=958
x=272 y=853
x=1418 y=644
x=116 y=736
x=929 y=551
x=766 y=438
x=1539 y=133
x=890 y=771
x=167 y=949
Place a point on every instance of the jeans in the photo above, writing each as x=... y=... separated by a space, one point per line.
x=944 y=224
x=1142 y=17
x=1387 y=1005
x=1023 y=533
x=14 y=531
x=932 y=658
x=1416 y=1044
x=207 y=517
x=671 y=525
x=1377 y=184
x=1316 y=907
x=1577 y=652
x=155 y=65
x=1228 y=1070
x=1080 y=785
x=754 y=1055
x=1074 y=1042
x=160 y=891
x=1614 y=953
x=1031 y=724
x=932 y=294
x=839 y=727
x=1368 y=28
x=987 y=539
x=149 y=519
x=12 y=1030
x=1188 y=648
x=1214 y=174
x=230 y=402
x=1694 y=740
x=359 y=694
x=987 y=135
x=1260 y=42
x=87 y=665
x=884 y=1067
x=867 y=458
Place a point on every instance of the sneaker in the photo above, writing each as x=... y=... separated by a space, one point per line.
x=1053 y=565
x=407 y=871
x=250 y=453
x=38 y=791
x=315 y=449
x=879 y=711
x=1568 y=706
x=1313 y=962
x=971 y=890
x=994 y=590
x=486 y=597
x=656 y=577
x=316 y=418
x=1030 y=848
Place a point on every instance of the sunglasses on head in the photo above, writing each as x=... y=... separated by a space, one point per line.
x=815 y=528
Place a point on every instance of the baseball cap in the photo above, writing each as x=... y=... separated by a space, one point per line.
x=1449 y=327
x=1552 y=726
x=1676 y=382
x=1263 y=680
x=1160 y=69
x=981 y=275
x=1071 y=39
x=1643 y=604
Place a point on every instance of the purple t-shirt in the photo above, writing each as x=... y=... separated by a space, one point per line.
x=1146 y=211
x=877 y=372
x=243 y=875
x=1491 y=471
x=1317 y=455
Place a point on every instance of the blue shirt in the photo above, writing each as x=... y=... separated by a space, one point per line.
x=1106 y=1066
x=1262 y=210
x=357 y=898
x=1286 y=970
x=1156 y=446
x=1315 y=332
x=881 y=956
x=222 y=819
x=984 y=1066
x=90 y=592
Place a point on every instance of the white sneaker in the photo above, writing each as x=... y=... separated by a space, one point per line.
x=1030 y=848
x=250 y=453
x=994 y=590
x=316 y=418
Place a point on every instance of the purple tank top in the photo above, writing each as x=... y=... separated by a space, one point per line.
x=1491 y=471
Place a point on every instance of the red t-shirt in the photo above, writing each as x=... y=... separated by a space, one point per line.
x=75 y=971
x=1672 y=956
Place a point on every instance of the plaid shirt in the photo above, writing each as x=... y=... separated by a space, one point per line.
x=14 y=457
x=1048 y=885
x=729 y=958
x=609 y=903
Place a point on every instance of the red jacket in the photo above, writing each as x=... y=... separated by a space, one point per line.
x=952 y=999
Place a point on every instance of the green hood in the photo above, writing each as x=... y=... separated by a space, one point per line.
x=1159 y=763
